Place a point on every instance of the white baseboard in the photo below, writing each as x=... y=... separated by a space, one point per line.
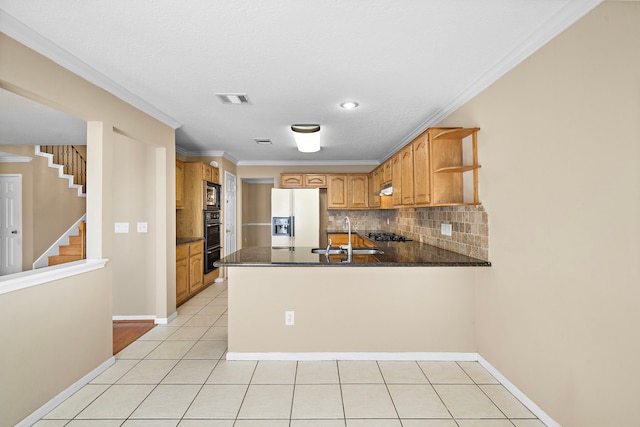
x=136 y=317
x=530 y=404
x=166 y=320
x=65 y=394
x=156 y=320
x=399 y=356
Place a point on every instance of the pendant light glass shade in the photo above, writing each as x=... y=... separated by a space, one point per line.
x=307 y=137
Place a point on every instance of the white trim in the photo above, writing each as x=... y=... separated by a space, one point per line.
x=530 y=404
x=421 y=356
x=135 y=317
x=166 y=320
x=14 y=158
x=156 y=320
x=54 y=249
x=65 y=394
x=26 y=279
x=34 y=40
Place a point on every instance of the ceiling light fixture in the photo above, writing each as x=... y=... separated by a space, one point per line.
x=349 y=105
x=307 y=137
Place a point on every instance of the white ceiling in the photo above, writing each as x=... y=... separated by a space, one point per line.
x=409 y=63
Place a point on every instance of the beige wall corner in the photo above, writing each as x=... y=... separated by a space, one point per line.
x=557 y=311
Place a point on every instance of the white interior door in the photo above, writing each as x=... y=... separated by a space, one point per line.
x=229 y=213
x=10 y=224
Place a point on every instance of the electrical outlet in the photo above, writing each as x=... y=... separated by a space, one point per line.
x=289 y=318
x=121 y=227
x=446 y=229
x=142 y=227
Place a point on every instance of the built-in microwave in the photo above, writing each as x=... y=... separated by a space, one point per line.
x=212 y=196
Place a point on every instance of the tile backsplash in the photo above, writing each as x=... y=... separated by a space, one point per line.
x=470 y=226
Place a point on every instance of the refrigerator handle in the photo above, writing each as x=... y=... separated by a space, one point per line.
x=292 y=226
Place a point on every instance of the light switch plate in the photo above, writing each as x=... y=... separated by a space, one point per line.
x=142 y=227
x=122 y=227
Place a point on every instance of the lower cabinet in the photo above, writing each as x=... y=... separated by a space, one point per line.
x=189 y=268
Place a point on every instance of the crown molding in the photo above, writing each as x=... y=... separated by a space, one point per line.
x=567 y=16
x=20 y=32
x=308 y=163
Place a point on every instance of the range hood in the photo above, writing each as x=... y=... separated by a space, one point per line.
x=386 y=189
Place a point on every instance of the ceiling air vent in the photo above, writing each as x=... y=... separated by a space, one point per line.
x=233 y=98
x=262 y=141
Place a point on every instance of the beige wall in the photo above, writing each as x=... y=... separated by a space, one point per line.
x=49 y=206
x=354 y=309
x=560 y=149
x=75 y=313
x=256 y=214
x=133 y=281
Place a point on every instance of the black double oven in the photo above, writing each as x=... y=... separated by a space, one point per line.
x=211 y=234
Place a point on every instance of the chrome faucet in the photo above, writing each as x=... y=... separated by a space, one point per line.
x=348 y=246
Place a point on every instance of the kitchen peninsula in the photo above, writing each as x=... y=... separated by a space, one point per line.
x=368 y=308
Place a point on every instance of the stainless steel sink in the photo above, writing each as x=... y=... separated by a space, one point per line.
x=332 y=251
x=367 y=251
x=338 y=251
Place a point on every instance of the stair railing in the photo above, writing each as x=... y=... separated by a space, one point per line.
x=73 y=161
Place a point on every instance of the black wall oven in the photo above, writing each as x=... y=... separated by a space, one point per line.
x=211 y=239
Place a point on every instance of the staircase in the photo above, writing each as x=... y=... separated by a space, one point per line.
x=71 y=162
x=74 y=251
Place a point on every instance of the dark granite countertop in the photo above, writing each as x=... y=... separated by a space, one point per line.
x=396 y=254
x=187 y=240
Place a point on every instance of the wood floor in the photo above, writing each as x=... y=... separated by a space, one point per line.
x=127 y=331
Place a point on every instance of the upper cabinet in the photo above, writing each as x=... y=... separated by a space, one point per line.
x=348 y=191
x=454 y=166
x=303 y=180
x=358 y=190
x=179 y=185
x=337 y=191
x=421 y=172
x=396 y=179
x=406 y=174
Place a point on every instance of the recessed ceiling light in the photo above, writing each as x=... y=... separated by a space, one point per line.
x=349 y=105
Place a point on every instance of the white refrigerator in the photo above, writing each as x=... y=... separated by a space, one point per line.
x=295 y=217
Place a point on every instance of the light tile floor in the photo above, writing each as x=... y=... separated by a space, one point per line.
x=177 y=375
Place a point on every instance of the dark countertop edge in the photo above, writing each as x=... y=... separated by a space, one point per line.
x=359 y=264
x=187 y=240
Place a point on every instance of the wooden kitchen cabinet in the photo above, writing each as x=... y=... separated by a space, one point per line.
x=358 y=191
x=182 y=273
x=396 y=179
x=387 y=175
x=421 y=170
x=303 y=180
x=291 y=180
x=314 y=180
x=374 y=187
x=454 y=166
x=189 y=219
x=189 y=270
x=406 y=173
x=337 y=191
x=196 y=267
x=179 y=185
